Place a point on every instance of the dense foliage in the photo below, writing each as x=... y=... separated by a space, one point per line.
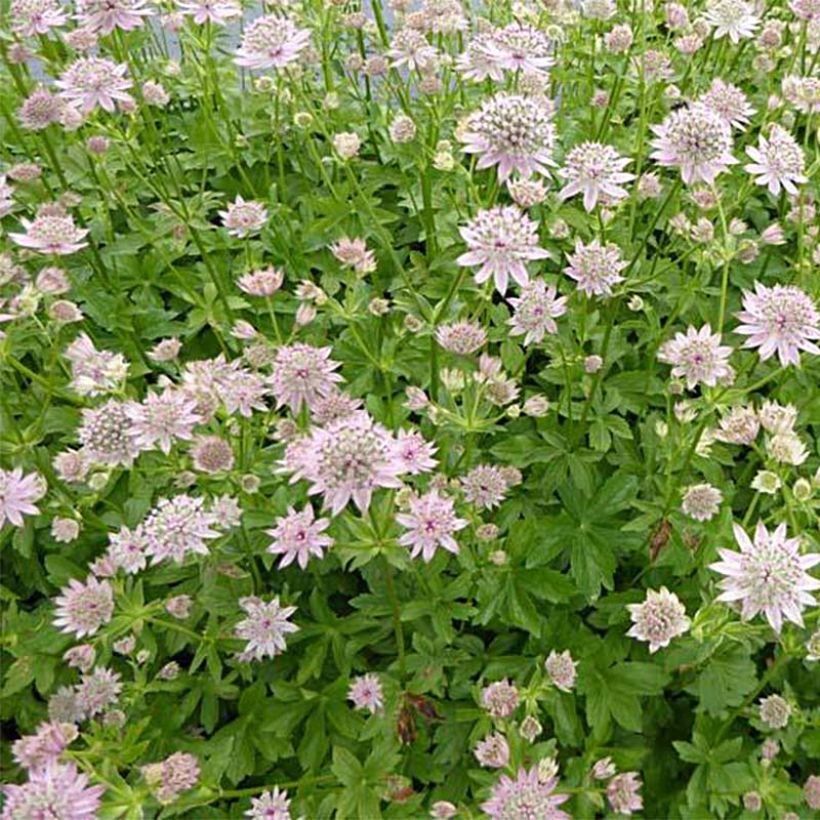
x=409 y=411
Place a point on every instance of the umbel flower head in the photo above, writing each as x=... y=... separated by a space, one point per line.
x=595 y=170
x=735 y=19
x=501 y=240
x=103 y=16
x=18 y=493
x=56 y=790
x=777 y=162
x=698 y=356
x=94 y=81
x=780 y=319
x=51 y=233
x=366 y=693
x=595 y=267
x=526 y=796
x=513 y=132
x=769 y=575
x=695 y=139
x=271 y=41
x=265 y=628
x=430 y=524
x=302 y=374
x=658 y=619
x=82 y=608
x=273 y=805
x=244 y=217
x=298 y=535
x=519 y=47
x=536 y=310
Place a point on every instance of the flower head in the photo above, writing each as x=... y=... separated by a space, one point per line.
x=486 y=485
x=217 y=12
x=54 y=234
x=500 y=699
x=244 y=217
x=695 y=139
x=622 y=793
x=701 y=502
x=493 y=751
x=775 y=712
x=161 y=419
x=698 y=356
x=265 y=628
x=735 y=19
x=273 y=805
x=526 y=796
x=729 y=102
x=595 y=267
x=501 y=240
x=271 y=41
x=366 y=693
x=536 y=310
x=354 y=253
x=302 y=374
x=82 y=608
x=413 y=453
x=40 y=109
x=513 y=132
x=174 y=775
x=596 y=171
x=177 y=527
x=18 y=494
x=56 y=790
x=777 y=162
x=658 y=619
x=781 y=319
x=768 y=575
x=94 y=81
x=32 y=17
x=103 y=16
x=519 y=47
x=298 y=535
x=461 y=338
x=430 y=524
x=410 y=48
x=561 y=670
x=46 y=745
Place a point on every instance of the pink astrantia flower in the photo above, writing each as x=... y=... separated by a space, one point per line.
x=273 y=805
x=18 y=494
x=501 y=240
x=244 y=217
x=622 y=793
x=596 y=267
x=778 y=162
x=302 y=374
x=103 y=16
x=93 y=81
x=346 y=460
x=174 y=775
x=210 y=11
x=485 y=486
x=430 y=524
x=561 y=669
x=735 y=19
x=461 y=338
x=695 y=139
x=780 y=319
x=536 y=310
x=698 y=356
x=55 y=790
x=161 y=419
x=366 y=693
x=297 y=536
x=32 y=17
x=658 y=619
x=525 y=796
x=596 y=171
x=513 y=132
x=82 y=608
x=520 y=47
x=409 y=48
x=45 y=746
x=265 y=628
x=729 y=102
x=40 y=109
x=414 y=453
x=177 y=527
x=271 y=41
x=54 y=234
x=355 y=254
x=768 y=575
x=479 y=60
x=493 y=751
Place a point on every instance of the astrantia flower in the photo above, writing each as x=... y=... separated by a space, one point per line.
x=270 y=806
x=105 y=434
x=40 y=109
x=37 y=750
x=739 y=426
x=768 y=575
x=462 y=338
x=127 y=549
x=561 y=669
x=501 y=240
x=244 y=217
x=697 y=356
x=302 y=374
x=536 y=310
x=695 y=139
x=271 y=41
x=479 y=61
x=56 y=791
x=354 y=253
x=430 y=524
x=174 y=775
x=777 y=418
x=595 y=170
x=263 y=282
x=595 y=267
x=622 y=793
x=658 y=619
x=103 y=16
x=410 y=48
x=82 y=608
x=93 y=81
x=32 y=17
x=162 y=418
x=217 y=12
x=701 y=502
x=298 y=535
x=346 y=460
x=212 y=454
x=97 y=691
x=51 y=234
x=178 y=526
x=729 y=102
x=775 y=711
x=513 y=132
x=519 y=47
x=485 y=486
x=18 y=494
x=500 y=699
x=781 y=319
x=493 y=751
x=733 y=18
x=366 y=693
x=778 y=162
x=413 y=453
x=335 y=405
x=527 y=796
x=265 y=628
